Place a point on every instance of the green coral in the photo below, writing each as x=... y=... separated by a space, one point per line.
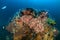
x=50 y=21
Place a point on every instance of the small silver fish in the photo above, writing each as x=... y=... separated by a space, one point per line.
x=3 y=27
x=4 y=7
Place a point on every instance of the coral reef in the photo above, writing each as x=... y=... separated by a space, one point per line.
x=28 y=27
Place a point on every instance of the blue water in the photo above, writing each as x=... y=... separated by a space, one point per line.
x=12 y=6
